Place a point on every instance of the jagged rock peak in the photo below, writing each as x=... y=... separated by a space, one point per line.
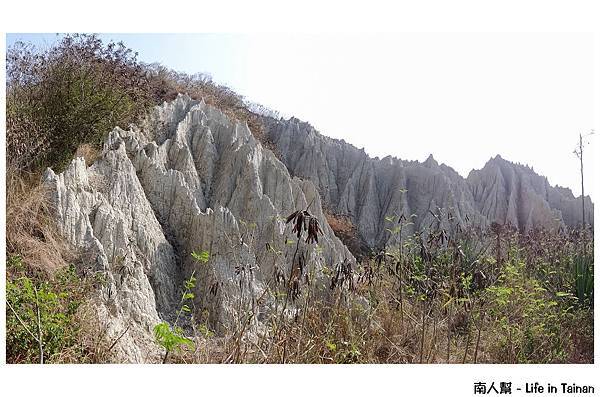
x=188 y=179
x=370 y=190
x=366 y=189
x=430 y=162
x=508 y=192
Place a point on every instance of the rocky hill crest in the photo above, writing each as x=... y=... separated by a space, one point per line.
x=369 y=190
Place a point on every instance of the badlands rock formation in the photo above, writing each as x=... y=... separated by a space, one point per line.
x=189 y=180
x=512 y=193
x=371 y=190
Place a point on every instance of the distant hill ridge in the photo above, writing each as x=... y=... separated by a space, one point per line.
x=369 y=190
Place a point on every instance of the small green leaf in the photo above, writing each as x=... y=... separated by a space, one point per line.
x=201 y=257
x=331 y=346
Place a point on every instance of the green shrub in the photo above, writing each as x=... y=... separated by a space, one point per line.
x=526 y=320
x=41 y=322
x=78 y=90
x=75 y=92
x=172 y=338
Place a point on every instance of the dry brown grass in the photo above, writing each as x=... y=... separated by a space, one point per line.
x=335 y=339
x=368 y=323
x=166 y=84
x=31 y=232
x=230 y=104
x=341 y=225
x=343 y=329
x=92 y=344
x=345 y=230
x=89 y=153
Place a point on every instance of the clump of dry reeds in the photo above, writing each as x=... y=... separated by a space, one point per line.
x=31 y=232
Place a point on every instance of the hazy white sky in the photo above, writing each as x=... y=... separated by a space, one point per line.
x=462 y=97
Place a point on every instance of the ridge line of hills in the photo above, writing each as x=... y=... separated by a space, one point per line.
x=367 y=190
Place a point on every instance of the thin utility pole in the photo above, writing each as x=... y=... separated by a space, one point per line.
x=579 y=153
x=582 y=191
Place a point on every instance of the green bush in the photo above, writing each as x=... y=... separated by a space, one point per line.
x=526 y=320
x=172 y=338
x=41 y=312
x=78 y=90
x=75 y=92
